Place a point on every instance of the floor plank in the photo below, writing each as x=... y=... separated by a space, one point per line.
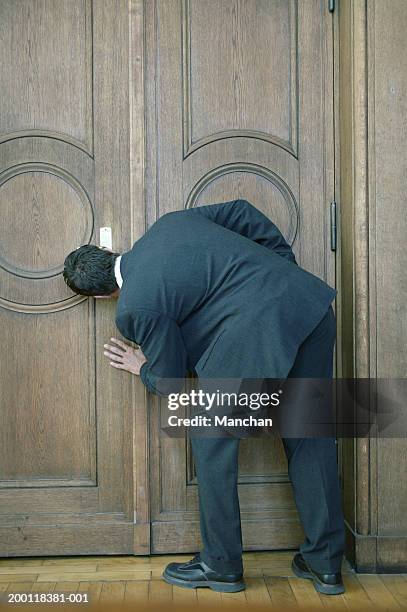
x=157 y=572
x=255 y=572
x=136 y=566
x=45 y=569
x=355 y=595
x=121 y=562
x=103 y=576
x=271 y=568
x=65 y=586
x=281 y=593
x=54 y=563
x=233 y=600
x=159 y=591
x=397 y=585
x=92 y=589
x=260 y=556
x=20 y=562
x=136 y=590
x=305 y=593
x=112 y=592
x=20 y=577
x=334 y=601
x=43 y=587
x=377 y=592
x=256 y=591
x=165 y=559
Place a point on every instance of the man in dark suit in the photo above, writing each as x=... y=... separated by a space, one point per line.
x=216 y=290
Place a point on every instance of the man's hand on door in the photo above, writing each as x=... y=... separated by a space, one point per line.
x=124 y=356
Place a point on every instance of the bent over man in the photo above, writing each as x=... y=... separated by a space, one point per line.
x=216 y=290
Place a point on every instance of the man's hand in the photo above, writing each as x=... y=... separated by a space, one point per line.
x=124 y=356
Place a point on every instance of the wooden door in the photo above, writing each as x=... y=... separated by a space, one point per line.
x=66 y=469
x=114 y=113
x=239 y=104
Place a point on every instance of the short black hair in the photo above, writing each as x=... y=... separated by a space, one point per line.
x=89 y=270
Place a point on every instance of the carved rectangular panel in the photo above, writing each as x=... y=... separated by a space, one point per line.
x=240 y=70
x=47 y=85
x=48 y=436
x=388 y=285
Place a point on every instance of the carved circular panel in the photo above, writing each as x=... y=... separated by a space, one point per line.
x=41 y=214
x=45 y=214
x=260 y=186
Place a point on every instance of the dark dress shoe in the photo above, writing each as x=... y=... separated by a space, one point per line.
x=328 y=584
x=196 y=573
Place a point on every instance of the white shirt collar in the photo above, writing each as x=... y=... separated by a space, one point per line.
x=119 y=279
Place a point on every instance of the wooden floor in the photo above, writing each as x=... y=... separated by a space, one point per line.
x=269 y=579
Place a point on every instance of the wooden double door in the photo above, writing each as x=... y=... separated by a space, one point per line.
x=113 y=113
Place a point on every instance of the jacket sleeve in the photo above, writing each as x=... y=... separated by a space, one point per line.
x=243 y=218
x=161 y=341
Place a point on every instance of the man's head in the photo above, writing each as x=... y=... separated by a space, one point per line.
x=89 y=270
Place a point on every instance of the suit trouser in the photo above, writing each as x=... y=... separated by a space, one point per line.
x=312 y=467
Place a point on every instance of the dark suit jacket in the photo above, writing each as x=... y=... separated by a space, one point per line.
x=216 y=290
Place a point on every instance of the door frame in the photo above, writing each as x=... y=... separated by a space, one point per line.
x=360 y=459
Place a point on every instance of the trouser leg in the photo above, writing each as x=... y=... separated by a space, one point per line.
x=312 y=464
x=312 y=467
x=216 y=463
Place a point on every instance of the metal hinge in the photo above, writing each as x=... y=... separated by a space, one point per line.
x=333 y=226
x=331 y=5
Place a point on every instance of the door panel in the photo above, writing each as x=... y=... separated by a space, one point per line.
x=66 y=415
x=238 y=105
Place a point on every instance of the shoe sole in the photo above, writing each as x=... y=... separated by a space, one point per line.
x=325 y=589
x=220 y=587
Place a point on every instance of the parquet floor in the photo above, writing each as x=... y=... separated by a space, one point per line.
x=126 y=579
